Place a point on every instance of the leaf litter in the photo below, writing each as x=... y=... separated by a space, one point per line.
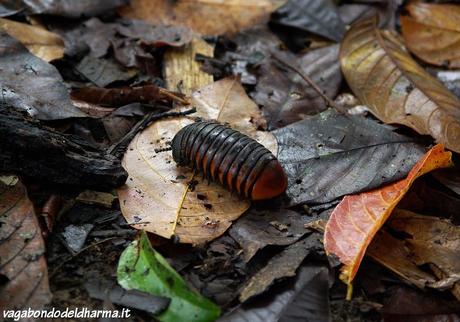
x=347 y=104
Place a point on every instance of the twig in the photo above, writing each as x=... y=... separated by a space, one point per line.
x=310 y=82
x=119 y=148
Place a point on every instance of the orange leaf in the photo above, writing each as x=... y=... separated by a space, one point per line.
x=357 y=218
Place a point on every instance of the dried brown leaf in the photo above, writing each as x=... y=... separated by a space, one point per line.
x=23 y=264
x=157 y=194
x=395 y=88
x=207 y=17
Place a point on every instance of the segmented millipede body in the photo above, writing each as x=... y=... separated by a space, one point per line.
x=231 y=158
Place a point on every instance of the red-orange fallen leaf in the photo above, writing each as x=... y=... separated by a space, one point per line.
x=357 y=218
x=22 y=264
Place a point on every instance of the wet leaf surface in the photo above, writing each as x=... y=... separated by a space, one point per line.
x=257 y=229
x=432 y=33
x=31 y=84
x=222 y=17
x=23 y=269
x=396 y=89
x=319 y=17
x=285 y=97
x=158 y=192
x=331 y=155
x=357 y=218
x=142 y=268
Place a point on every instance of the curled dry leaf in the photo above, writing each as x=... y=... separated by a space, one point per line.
x=23 y=266
x=396 y=89
x=71 y=9
x=167 y=200
x=432 y=32
x=207 y=17
x=431 y=241
x=40 y=42
x=357 y=218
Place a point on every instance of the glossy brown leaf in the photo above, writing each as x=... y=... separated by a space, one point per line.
x=357 y=218
x=432 y=32
x=22 y=248
x=40 y=42
x=126 y=95
x=207 y=17
x=395 y=88
x=157 y=194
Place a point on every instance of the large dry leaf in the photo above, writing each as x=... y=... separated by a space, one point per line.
x=207 y=17
x=31 y=84
x=395 y=88
x=430 y=240
x=357 y=218
x=157 y=194
x=23 y=268
x=71 y=8
x=40 y=42
x=432 y=32
x=357 y=154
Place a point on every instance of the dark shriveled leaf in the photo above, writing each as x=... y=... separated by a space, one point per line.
x=316 y=16
x=331 y=155
x=31 y=84
x=286 y=98
x=23 y=268
x=303 y=298
x=282 y=265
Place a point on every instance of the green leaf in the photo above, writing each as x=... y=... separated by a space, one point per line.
x=142 y=268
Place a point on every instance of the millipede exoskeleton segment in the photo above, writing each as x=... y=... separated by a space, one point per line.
x=231 y=158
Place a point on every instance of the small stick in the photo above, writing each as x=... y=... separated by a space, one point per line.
x=119 y=148
x=310 y=82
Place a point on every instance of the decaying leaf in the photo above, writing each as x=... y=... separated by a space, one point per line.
x=330 y=155
x=182 y=72
x=429 y=240
x=207 y=17
x=396 y=89
x=283 y=265
x=168 y=200
x=123 y=96
x=357 y=218
x=432 y=32
x=285 y=97
x=40 y=42
x=23 y=269
x=142 y=268
x=319 y=17
x=304 y=298
x=257 y=229
x=450 y=178
x=31 y=84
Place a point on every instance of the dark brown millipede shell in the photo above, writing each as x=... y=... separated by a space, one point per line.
x=231 y=158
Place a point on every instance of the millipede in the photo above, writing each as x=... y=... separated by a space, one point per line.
x=231 y=158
